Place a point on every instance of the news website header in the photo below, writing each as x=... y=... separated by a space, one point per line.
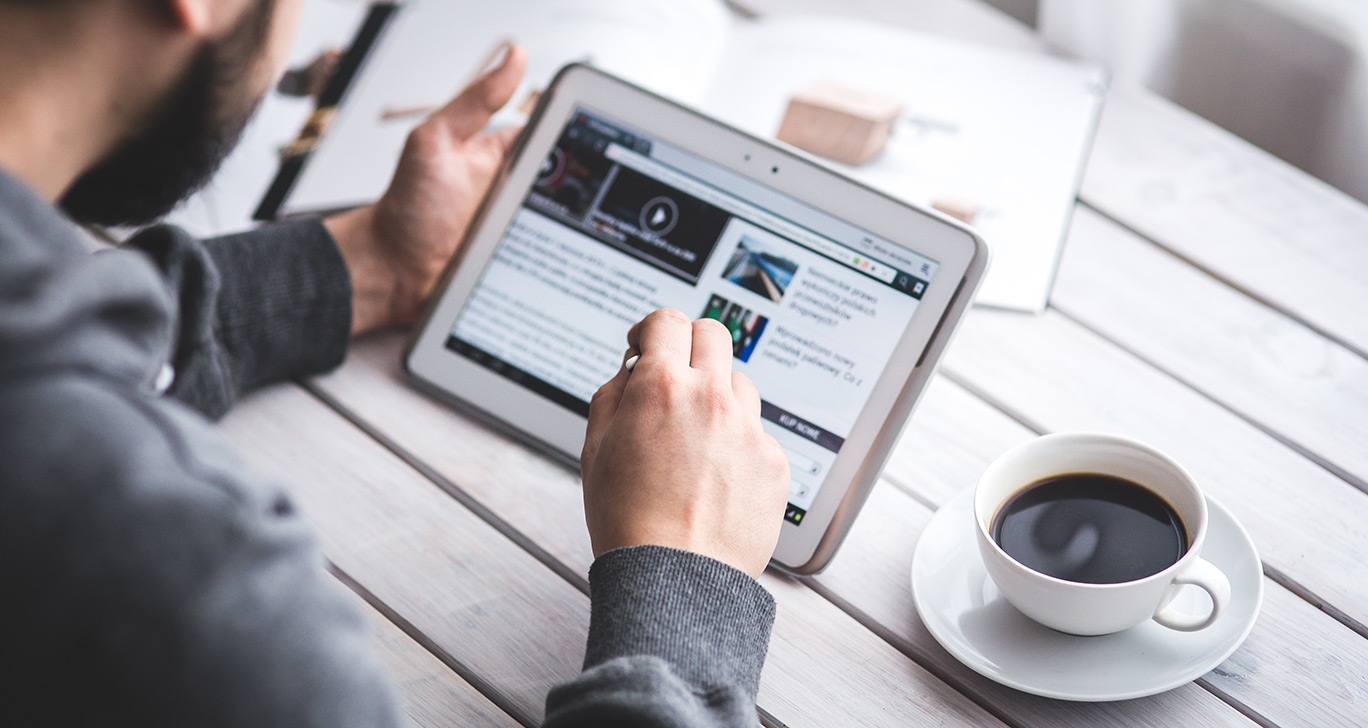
x=693 y=199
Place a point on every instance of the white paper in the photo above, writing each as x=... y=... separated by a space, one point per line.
x=1007 y=131
x=1004 y=130
x=434 y=47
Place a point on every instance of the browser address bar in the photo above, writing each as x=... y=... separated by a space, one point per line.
x=736 y=206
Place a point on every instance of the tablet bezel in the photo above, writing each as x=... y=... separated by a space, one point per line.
x=960 y=253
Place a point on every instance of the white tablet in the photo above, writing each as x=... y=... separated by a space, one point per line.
x=617 y=202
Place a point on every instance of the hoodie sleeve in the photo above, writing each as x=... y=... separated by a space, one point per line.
x=251 y=308
x=675 y=639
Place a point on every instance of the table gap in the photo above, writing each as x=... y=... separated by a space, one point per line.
x=1311 y=598
x=1225 y=281
x=1235 y=703
x=897 y=482
x=1291 y=444
x=453 y=490
x=494 y=695
x=893 y=641
x=992 y=401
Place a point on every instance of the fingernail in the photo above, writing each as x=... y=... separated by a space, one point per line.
x=499 y=57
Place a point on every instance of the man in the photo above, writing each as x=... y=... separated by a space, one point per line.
x=150 y=579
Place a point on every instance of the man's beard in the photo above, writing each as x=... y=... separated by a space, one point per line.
x=184 y=141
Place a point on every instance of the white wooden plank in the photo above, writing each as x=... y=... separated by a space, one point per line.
x=1278 y=673
x=953 y=437
x=476 y=594
x=1307 y=523
x=824 y=668
x=434 y=696
x=1251 y=358
x=1234 y=209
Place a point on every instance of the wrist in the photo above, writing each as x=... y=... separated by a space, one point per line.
x=373 y=280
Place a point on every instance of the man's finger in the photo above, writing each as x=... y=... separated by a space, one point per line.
x=602 y=407
x=743 y=389
x=469 y=112
x=712 y=346
x=663 y=336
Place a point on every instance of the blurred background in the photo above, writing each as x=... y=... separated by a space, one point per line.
x=1288 y=76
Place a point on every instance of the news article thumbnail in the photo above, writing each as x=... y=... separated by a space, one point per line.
x=570 y=177
x=759 y=270
x=674 y=231
x=745 y=325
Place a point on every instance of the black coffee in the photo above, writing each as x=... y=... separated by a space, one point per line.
x=1090 y=528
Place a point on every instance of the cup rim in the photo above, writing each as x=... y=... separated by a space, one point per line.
x=1194 y=547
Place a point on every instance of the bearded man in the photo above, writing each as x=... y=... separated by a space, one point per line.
x=150 y=578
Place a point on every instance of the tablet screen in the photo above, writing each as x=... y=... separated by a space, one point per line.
x=618 y=224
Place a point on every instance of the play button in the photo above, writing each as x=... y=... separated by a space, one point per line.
x=659 y=216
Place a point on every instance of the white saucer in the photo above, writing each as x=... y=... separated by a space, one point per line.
x=963 y=610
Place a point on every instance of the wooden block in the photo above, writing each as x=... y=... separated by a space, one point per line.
x=962 y=210
x=839 y=123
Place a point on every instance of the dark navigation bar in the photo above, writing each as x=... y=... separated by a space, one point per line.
x=801 y=427
x=519 y=376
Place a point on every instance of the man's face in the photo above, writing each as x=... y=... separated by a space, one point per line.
x=193 y=129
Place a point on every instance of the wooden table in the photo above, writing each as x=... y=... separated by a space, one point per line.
x=1211 y=301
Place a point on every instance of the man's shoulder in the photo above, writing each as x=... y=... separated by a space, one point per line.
x=89 y=461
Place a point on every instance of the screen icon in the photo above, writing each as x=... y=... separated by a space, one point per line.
x=659 y=216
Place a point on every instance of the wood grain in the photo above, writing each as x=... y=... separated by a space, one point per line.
x=1254 y=360
x=952 y=437
x=824 y=668
x=1233 y=209
x=478 y=596
x=1307 y=522
x=1275 y=673
x=434 y=696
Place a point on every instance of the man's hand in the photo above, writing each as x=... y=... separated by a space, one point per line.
x=396 y=248
x=675 y=455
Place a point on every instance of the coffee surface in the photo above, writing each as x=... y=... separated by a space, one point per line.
x=1090 y=528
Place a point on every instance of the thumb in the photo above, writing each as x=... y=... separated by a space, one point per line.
x=470 y=111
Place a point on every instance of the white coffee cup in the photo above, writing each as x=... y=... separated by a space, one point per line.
x=1093 y=609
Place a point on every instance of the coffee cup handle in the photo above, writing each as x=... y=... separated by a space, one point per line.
x=1211 y=580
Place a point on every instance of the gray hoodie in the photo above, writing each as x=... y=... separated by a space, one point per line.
x=151 y=578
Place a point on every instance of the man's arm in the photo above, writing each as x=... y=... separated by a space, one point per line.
x=251 y=309
x=684 y=495
x=675 y=639
x=281 y=301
